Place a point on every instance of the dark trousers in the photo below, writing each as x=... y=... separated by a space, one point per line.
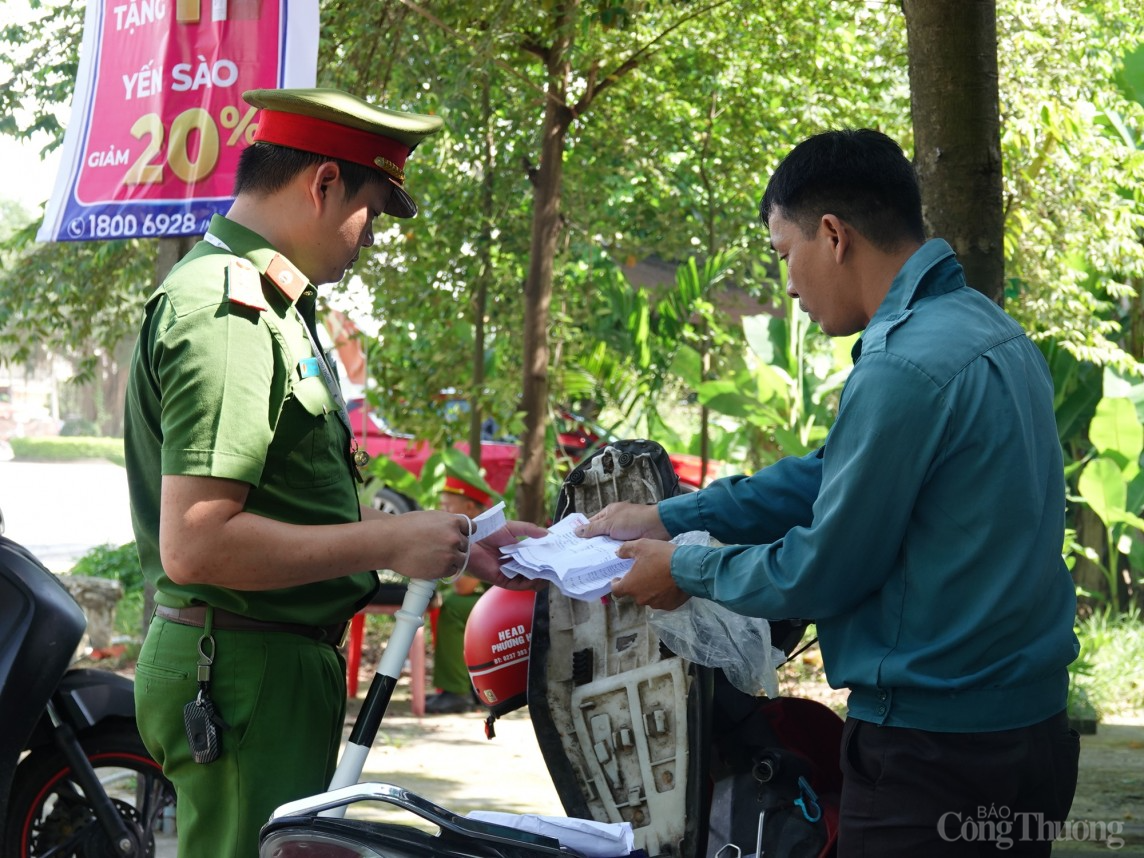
x=908 y=793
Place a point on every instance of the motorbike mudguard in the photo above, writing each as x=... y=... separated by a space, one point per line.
x=84 y=698
x=622 y=722
x=625 y=725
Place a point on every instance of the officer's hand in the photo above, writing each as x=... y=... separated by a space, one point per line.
x=649 y=580
x=426 y=544
x=625 y=521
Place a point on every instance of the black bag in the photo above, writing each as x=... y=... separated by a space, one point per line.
x=776 y=759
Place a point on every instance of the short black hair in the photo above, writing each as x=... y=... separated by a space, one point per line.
x=860 y=176
x=264 y=168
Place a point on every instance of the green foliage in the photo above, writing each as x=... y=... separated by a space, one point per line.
x=118 y=564
x=647 y=349
x=77 y=298
x=1077 y=388
x=1130 y=76
x=79 y=428
x=1112 y=485
x=784 y=394
x=63 y=449
x=655 y=167
x=1110 y=669
x=424 y=489
x=1073 y=168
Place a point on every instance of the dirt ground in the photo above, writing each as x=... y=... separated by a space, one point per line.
x=447 y=759
x=1110 y=789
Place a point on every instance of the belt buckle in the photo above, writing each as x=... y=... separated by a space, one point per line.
x=345 y=636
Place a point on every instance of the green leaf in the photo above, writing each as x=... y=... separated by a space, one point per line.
x=1116 y=433
x=688 y=365
x=1102 y=487
x=726 y=397
x=760 y=333
x=392 y=474
x=1130 y=76
x=463 y=467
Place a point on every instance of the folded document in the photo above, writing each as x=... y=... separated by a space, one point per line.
x=581 y=568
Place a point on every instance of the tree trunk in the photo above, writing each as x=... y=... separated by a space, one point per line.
x=546 y=225
x=484 y=275
x=116 y=369
x=952 y=51
x=546 y=222
x=1086 y=574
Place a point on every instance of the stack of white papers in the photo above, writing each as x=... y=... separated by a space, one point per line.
x=581 y=568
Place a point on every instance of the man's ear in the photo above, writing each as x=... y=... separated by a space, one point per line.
x=323 y=178
x=837 y=232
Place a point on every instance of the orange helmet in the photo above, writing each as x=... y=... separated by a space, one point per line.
x=498 y=637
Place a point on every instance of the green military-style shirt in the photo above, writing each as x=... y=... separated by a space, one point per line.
x=224 y=384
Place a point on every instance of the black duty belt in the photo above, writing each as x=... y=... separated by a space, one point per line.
x=196 y=615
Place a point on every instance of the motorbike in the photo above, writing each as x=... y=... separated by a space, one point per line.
x=630 y=731
x=315 y=827
x=75 y=778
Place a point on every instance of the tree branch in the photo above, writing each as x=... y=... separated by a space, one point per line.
x=633 y=61
x=528 y=47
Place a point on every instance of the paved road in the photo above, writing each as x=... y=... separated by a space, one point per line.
x=59 y=511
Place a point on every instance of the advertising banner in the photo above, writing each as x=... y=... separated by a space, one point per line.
x=158 y=119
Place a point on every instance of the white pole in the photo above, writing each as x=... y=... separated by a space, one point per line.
x=409 y=619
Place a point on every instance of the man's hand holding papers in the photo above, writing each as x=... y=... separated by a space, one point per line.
x=583 y=568
x=649 y=580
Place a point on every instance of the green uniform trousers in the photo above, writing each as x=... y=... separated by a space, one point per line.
x=450 y=673
x=283 y=699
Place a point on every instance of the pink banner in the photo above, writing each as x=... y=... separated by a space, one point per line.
x=158 y=120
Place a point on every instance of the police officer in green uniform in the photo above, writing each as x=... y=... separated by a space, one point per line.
x=242 y=475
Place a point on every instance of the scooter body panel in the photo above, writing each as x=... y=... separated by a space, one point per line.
x=305 y=835
x=622 y=722
x=40 y=627
x=85 y=698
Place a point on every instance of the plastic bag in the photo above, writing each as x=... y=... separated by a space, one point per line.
x=706 y=633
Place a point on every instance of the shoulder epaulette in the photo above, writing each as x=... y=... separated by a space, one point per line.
x=244 y=285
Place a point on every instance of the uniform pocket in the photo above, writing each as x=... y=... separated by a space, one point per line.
x=159 y=673
x=168 y=658
x=315 y=440
x=165 y=681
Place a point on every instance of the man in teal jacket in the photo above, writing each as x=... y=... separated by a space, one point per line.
x=924 y=538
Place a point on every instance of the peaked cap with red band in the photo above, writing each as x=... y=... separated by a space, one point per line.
x=334 y=123
x=456 y=486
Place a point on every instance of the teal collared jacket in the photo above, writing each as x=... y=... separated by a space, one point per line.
x=924 y=539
